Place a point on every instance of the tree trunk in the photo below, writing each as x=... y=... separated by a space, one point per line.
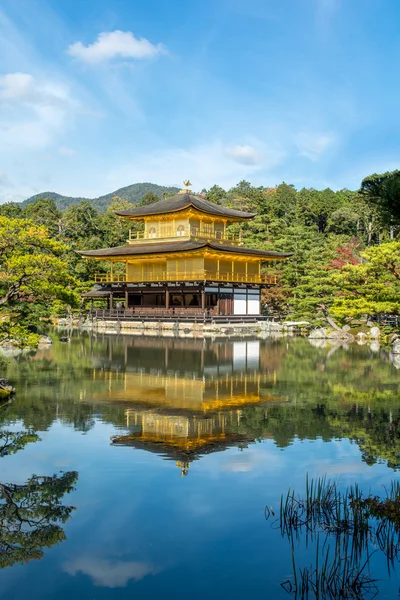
x=329 y=319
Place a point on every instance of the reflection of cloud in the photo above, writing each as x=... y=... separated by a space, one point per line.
x=110 y=573
x=244 y=462
x=341 y=469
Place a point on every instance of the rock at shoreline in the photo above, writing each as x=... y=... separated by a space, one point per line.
x=336 y=335
x=375 y=333
x=396 y=347
x=6 y=389
x=361 y=338
x=396 y=361
x=326 y=334
x=45 y=341
x=318 y=334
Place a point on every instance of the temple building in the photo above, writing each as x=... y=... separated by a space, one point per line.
x=184 y=262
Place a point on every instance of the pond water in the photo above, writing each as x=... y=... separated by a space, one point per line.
x=169 y=450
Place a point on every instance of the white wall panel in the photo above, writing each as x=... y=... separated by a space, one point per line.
x=253 y=305
x=239 y=304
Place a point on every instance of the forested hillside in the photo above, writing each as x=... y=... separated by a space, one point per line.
x=345 y=248
x=132 y=193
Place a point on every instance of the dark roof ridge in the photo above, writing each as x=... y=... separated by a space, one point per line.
x=182 y=201
x=184 y=246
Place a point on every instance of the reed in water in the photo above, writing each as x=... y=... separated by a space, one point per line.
x=344 y=529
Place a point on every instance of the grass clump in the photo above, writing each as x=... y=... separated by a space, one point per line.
x=346 y=528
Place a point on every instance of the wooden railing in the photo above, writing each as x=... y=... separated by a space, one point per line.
x=109 y=278
x=189 y=231
x=187 y=276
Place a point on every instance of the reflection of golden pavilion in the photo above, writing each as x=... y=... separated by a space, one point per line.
x=185 y=397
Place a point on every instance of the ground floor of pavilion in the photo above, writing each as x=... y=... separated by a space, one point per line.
x=178 y=298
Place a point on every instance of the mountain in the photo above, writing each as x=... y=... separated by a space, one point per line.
x=133 y=193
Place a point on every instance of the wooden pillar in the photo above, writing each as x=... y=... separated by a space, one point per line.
x=126 y=300
x=111 y=301
x=203 y=300
x=111 y=272
x=167 y=299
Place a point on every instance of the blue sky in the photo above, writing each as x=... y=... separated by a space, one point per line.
x=96 y=95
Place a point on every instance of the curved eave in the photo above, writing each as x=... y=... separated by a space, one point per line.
x=129 y=251
x=134 y=217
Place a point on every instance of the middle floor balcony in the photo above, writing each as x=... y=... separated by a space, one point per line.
x=200 y=275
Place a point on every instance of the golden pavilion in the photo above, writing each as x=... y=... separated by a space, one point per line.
x=184 y=262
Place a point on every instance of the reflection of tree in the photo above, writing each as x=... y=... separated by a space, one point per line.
x=31 y=513
x=12 y=442
x=355 y=397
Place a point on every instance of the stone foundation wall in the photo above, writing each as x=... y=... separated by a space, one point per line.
x=187 y=328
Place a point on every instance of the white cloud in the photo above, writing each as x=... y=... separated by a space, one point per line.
x=115 y=44
x=109 y=573
x=32 y=111
x=204 y=165
x=23 y=87
x=245 y=155
x=312 y=145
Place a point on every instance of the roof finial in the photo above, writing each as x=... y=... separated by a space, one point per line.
x=187 y=184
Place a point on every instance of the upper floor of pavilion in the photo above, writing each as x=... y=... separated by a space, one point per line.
x=185 y=216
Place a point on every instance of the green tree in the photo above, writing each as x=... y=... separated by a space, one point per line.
x=149 y=198
x=372 y=286
x=343 y=221
x=383 y=192
x=116 y=230
x=44 y=212
x=81 y=221
x=12 y=210
x=32 y=275
x=216 y=194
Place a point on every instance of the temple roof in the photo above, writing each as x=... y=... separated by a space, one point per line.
x=184 y=246
x=95 y=294
x=181 y=202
